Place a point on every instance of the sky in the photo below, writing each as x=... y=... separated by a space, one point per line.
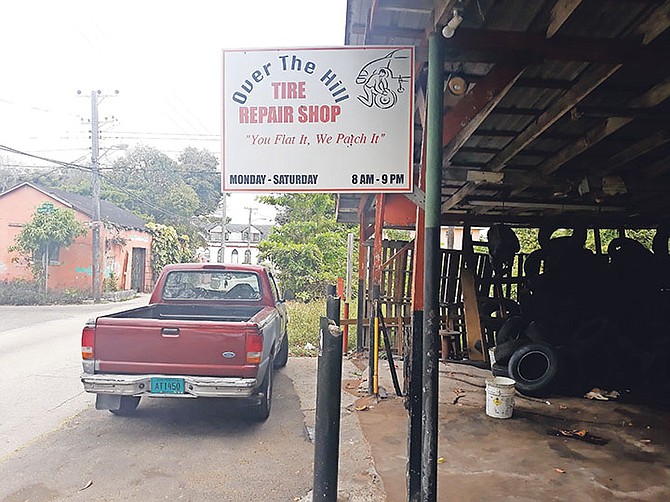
x=164 y=58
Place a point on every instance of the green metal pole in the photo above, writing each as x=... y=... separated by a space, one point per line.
x=431 y=320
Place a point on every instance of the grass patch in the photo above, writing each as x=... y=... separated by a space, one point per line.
x=303 y=326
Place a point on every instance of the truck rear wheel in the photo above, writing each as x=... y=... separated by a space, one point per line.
x=261 y=411
x=282 y=355
x=128 y=405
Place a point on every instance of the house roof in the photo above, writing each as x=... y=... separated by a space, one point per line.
x=560 y=107
x=240 y=227
x=84 y=204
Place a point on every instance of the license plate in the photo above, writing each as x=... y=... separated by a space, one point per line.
x=167 y=385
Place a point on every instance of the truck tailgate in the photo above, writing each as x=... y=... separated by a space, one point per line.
x=146 y=346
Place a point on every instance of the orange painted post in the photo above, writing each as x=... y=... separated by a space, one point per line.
x=345 y=330
x=340 y=287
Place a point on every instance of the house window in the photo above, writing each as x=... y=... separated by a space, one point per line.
x=247 y=256
x=234 y=257
x=220 y=258
x=256 y=237
x=245 y=235
x=54 y=254
x=215 y=236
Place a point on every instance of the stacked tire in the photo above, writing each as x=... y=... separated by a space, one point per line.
x=587 y=320
x=531 y=362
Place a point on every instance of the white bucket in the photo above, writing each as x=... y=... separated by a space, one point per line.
x=499 y=397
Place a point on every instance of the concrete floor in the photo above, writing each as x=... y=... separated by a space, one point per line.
x=484 y=459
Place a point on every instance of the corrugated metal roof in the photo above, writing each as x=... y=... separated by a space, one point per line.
x=591 y=102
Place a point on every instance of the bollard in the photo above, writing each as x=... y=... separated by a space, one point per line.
x=328 y=398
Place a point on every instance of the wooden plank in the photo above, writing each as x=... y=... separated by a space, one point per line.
x=649 y=99
x=473 y=326
x=589 y=81
x=470 y=111
x=615 y=51
x=416 y=6
x=560 y=13
x=634 y=151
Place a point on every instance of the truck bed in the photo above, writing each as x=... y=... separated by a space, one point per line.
x=226 y=313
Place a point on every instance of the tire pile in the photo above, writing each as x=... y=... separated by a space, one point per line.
x=588 y=320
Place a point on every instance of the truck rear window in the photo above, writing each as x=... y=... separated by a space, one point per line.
x=211 y=285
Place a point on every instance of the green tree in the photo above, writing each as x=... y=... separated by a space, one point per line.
x=198 y=170
x=527 y=239
x=168 y=246
x=48 y=228
x=308 y=246
x=145 y=181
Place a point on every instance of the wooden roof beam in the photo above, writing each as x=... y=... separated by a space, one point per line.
x=468 y=42
x=642 y=147
x=524 y=204
x=386 y=31
x=415 y=6
x=653 y=97
x=470 y=111
x=623 y=111
x=589 y=81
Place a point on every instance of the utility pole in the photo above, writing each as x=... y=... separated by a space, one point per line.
x=223 y=229
x=95 y=194
x=250 y=209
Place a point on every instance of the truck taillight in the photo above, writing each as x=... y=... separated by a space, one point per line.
x=87 y=342
x=254 y=348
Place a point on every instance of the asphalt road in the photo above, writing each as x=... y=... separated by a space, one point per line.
x=55 y=446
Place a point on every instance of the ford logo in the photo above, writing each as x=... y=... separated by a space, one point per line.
x=228 y=355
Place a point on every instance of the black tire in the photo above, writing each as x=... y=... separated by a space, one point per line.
x=533 y=262
x=128 y=405
x=282 y=355
x=533 y=368
x=534 y=332
x=261 y=411
x=504 y=351
x=499 y=370
x=511 y=330
x=489 y=312
x=577 y=239
x=660 y=243
x=628 y=250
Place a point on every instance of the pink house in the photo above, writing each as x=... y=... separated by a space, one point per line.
x=125 y=240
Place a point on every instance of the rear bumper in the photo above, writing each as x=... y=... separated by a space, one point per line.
x=194 y=386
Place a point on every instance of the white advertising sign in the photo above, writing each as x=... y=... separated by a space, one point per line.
x=318 y=120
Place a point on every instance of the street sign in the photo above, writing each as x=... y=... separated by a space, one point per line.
x=47 y=207
x=318 y=120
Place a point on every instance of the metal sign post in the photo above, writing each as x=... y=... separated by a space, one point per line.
x=328 y=399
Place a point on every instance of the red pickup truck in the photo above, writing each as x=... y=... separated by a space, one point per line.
x=208 y=331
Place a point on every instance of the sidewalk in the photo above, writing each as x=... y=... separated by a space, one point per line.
x=483 y=458
x=358 y=480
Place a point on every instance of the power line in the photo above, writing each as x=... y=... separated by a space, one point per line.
x=46 y=159
x=169 y=133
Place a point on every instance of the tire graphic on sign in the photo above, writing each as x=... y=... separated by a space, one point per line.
x=382 y=79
